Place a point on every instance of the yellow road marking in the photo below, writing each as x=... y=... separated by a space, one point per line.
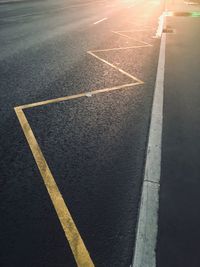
x=144 y=44
x=78 y=248
x=92 y=53
x=94 y=92
x=64 y=98
x=121 y=48
x=115 y=67
x=72 y=234
x=129 y=37
x=101 y=20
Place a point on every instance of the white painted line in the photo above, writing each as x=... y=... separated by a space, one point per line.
x=100 y=20
x=160 y=26
x=144 y=254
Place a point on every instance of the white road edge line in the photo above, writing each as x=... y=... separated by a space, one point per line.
x=146 y=236
x=100 y=20
x=160 y=25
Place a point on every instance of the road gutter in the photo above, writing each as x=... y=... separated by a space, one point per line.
x=146 y=236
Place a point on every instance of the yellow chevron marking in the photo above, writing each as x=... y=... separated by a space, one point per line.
x=72 y=234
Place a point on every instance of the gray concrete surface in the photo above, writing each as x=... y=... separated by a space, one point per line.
x=179 y=219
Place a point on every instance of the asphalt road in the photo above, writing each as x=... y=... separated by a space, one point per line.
x=94 y=144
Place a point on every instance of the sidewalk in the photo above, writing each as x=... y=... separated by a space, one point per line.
x=179 y=208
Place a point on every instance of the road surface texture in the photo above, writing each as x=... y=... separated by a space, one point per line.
x=71 y=169
x=179 y=216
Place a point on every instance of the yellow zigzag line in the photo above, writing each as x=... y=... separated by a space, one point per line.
x=72 y=234
x=94 y=53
